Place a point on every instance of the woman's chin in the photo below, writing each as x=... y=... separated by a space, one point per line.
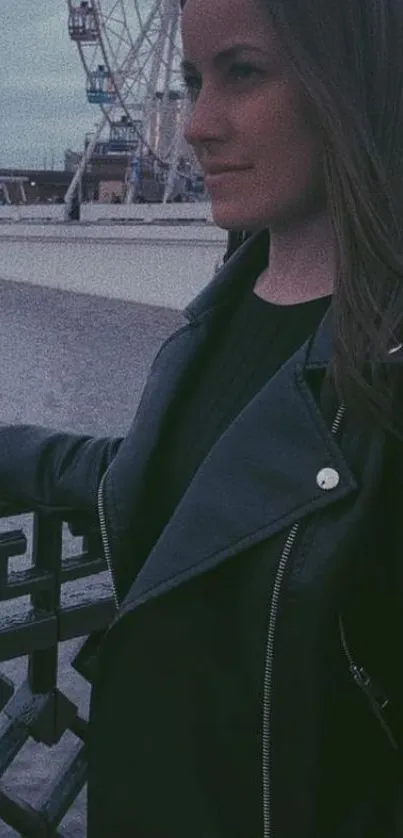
x=233 y=218
x=230 y=217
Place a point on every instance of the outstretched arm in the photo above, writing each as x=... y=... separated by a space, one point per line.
x=41 y=468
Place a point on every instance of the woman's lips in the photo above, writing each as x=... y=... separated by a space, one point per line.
x=217 y=178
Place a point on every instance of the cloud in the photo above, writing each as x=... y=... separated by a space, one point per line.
x=43 y=103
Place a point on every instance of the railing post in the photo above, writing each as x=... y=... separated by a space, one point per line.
x=38 y=709
x=47 y=558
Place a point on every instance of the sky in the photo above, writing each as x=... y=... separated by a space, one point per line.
x=43 y=105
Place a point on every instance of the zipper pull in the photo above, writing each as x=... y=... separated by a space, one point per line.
x=376 y=698
x=368 y=685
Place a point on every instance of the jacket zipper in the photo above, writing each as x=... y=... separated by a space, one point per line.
x=269 y=661
x=105 y=540
x=375 y=696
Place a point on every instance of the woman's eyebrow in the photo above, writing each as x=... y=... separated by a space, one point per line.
x=224 y=55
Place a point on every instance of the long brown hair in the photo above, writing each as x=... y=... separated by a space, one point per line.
x=348 y=55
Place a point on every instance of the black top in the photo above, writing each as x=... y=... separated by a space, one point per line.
x=241 y=356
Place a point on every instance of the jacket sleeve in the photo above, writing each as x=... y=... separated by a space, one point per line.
x=45 y=469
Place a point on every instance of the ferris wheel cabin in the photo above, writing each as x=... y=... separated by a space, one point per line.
x=82 y=23
x=125 y=135
x=100 y=87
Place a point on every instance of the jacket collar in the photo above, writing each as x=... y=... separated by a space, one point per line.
x=238 y=274
x=234 y=277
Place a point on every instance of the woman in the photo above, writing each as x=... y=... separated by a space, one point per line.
x=252 y=681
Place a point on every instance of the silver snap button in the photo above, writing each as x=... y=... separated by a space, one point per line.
x=327 y=478
x=395 y=349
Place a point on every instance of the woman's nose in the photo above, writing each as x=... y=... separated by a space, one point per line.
x=206 y=119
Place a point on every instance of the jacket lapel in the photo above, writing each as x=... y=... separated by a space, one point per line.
x=259 y=478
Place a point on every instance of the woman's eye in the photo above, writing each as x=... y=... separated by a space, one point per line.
x=244 y=71
x=237 y=72
x=192 y=86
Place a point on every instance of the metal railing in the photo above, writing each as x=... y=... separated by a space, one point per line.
x=38 y=709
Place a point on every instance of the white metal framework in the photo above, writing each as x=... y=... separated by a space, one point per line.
x=131 y=51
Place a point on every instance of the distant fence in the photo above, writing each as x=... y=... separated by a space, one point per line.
x=38 y=709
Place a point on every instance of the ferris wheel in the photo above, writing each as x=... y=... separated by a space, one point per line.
x=131 y=52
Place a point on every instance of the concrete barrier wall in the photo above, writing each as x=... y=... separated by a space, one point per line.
x=25 y=212
x=149 y=212
x=109 y=212
x=149 y=263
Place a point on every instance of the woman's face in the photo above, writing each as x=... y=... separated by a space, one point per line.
x=249 y=111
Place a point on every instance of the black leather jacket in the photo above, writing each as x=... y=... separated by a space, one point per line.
x=223 y=709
